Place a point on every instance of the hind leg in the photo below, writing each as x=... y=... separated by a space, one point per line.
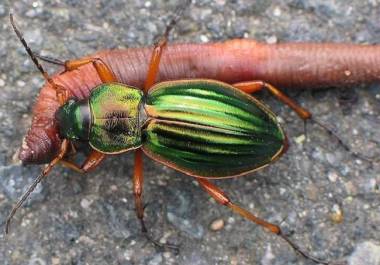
x=251 y=87
x=221 y=198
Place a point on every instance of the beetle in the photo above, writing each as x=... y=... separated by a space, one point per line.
x=194 y=126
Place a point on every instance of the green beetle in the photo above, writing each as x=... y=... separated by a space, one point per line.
x=203 y=128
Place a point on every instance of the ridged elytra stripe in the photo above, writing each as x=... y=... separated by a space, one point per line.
x=197 y=134
x=162 y=134
x=209 y=129
x=220 y=107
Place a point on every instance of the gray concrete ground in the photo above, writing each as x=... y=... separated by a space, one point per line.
x=328 y=200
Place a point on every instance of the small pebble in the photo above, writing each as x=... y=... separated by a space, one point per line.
x=280 y=119
x=86 y=203
x=331 y=158
x=86 y=240
x=300 y=139
x=217 y=225
x=36 y=261
x=277 y=12
x=271 y=40
x=204 y=38
x=333 y=176
x=55 y=261
x=268 y=257
x=20 y=83
x=37 y=4
x=231 y=220
x=234 y=260
x=336 y=214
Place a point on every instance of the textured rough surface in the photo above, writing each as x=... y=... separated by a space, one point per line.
x=366 y=253
x=328 y=199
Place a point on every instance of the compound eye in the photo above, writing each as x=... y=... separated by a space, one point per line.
x=73 y=120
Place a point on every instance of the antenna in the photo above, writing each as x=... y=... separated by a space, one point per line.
x=65 y=143
x=43 y=174
x=62 y=93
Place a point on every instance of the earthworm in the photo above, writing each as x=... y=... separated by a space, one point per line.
x=288 y=65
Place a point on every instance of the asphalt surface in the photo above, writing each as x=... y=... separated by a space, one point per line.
x=326 y=199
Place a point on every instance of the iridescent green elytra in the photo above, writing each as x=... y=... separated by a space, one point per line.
x=204 y=128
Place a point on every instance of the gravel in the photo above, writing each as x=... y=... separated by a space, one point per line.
x=328 y=200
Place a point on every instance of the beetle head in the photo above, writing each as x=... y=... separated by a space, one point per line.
x=73 y=120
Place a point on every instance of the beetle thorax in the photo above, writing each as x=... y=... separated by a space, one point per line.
x=115 y=113
x=109 y=119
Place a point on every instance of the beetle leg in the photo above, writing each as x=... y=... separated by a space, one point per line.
x=159 y=48
x=156 y=58
x=106 y=75
x=254 y=86
x=138 y=179
x=49 y=59
x=221 y=198
x=155 y=61
x=71 y=165
x=104 y=72
x=91 y=162
x=304 y=114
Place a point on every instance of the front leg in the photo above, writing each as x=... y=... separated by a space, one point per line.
x=91 y=162
x=104 y=72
